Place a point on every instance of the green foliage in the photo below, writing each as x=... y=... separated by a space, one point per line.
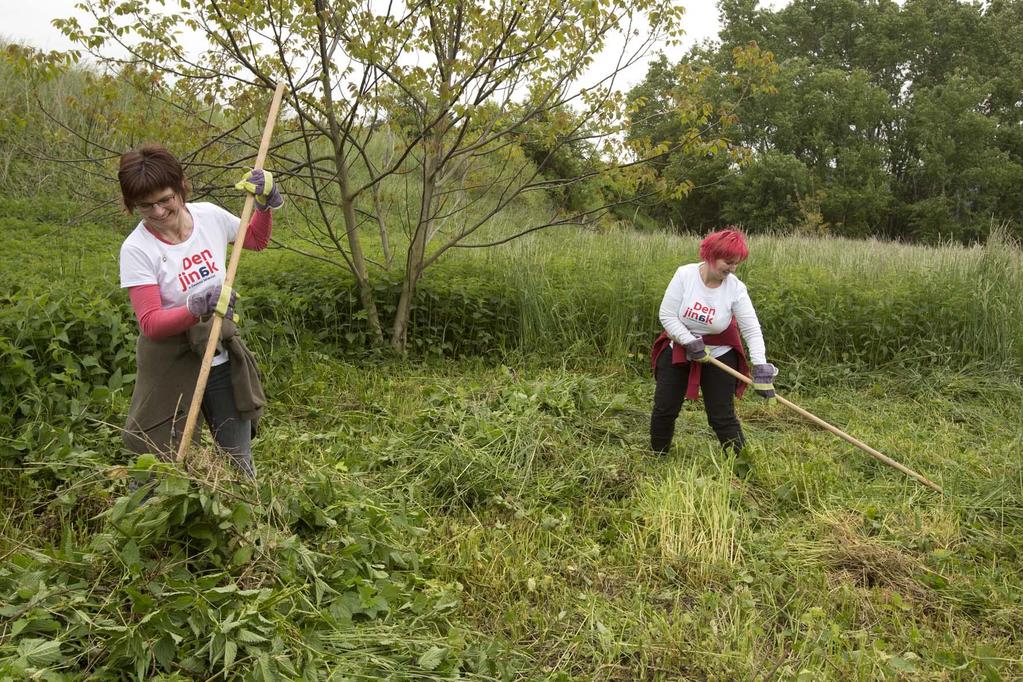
x=195 y=576
x=574 y=174
x=60 y=124
x=686 y=117
x=765 y=195
x=449 y=316
x=498 y=516
x=66 y=364
x=476 y=447
x=894 y=116
x=837 y=314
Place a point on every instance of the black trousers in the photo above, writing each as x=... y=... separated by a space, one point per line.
x=230 y=431
x=718 y=388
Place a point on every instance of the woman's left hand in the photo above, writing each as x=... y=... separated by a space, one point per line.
x=260 y=184
x=763 y=380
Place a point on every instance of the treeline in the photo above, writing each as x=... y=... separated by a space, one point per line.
x=852 y=118
x=895 y=120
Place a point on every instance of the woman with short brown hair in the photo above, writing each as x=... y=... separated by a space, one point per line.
x=173 y=266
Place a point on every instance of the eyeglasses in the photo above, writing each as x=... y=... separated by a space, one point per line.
x=164 y=203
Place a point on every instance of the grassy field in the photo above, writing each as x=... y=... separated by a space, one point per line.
x=488 y=510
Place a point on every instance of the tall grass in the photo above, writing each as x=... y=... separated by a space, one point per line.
x=906 y=303
x=819 y=300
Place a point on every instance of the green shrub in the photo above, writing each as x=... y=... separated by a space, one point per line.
x=203 y=579
x=449 y=318
x=66 y=368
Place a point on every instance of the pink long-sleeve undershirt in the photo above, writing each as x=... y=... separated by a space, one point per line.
x=258 y=234
x=157 y=322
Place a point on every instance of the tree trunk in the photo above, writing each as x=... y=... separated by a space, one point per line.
x=347 y=200
x=416 y=254
x=366 y=297
x=385 y=243
x=403 y=314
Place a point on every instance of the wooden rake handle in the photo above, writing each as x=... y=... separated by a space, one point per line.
x=236 y=254
x=838 y=432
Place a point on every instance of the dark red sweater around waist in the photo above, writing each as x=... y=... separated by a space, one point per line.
x=729 y=337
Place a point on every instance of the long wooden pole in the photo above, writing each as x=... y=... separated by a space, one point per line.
x=838 y=432
x=236 y=254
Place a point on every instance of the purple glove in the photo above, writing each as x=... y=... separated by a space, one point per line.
x=204 y=301
x=261 y=185
x=763 y=380
x=696 y=351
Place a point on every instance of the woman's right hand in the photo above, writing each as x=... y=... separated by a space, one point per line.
x=204 y=301
x=696 y=351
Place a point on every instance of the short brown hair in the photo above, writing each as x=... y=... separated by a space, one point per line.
x=149 y=169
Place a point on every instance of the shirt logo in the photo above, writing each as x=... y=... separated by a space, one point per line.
x=699 y=313
x=197 y=268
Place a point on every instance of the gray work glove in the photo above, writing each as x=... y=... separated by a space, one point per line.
x=763 y=380
x=210 y=299
x=696 y=351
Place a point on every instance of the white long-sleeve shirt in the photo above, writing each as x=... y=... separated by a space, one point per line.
x=691 y=309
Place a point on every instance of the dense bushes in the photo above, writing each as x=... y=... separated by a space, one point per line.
x=67 y=362
x=449 y=318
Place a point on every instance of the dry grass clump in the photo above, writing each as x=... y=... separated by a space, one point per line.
x=688 y=518
x=212 y=468
x=868 y=563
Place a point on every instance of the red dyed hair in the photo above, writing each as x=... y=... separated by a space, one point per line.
x=149 y=169
x=726 y=244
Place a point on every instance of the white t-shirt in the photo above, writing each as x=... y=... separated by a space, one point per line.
x=691 y=309
x=180 y=269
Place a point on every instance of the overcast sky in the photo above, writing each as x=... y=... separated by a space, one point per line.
x=28 y=21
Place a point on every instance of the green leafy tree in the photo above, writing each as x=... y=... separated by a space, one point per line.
x=905 y=116
x=424 y=106
x=767 y=193
x=685 y=115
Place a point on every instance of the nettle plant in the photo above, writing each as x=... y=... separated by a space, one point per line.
x=195 y=574
x=67 y=367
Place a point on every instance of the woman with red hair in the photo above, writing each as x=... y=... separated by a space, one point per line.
x=703 y=312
